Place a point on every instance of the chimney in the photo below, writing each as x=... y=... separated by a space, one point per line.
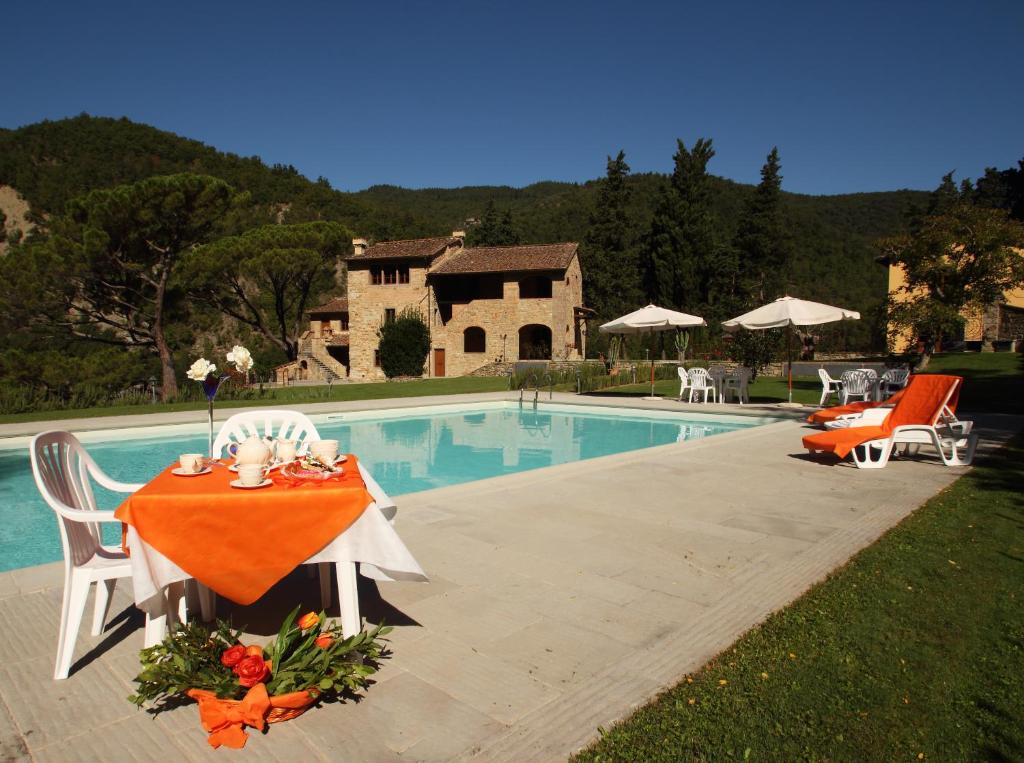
x=358 y=246
x=459 y=234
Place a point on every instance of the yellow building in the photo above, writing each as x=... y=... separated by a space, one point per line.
x=1000 y=322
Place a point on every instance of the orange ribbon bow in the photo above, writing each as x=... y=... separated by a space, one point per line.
x=226 y=719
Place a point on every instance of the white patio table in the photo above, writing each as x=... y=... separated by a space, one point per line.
x=370 y=541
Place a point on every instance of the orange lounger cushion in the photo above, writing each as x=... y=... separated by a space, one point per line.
x=842 y=441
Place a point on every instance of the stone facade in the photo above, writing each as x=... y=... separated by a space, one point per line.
x=499 y=302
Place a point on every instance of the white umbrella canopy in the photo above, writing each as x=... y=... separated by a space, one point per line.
x=651 y=318
x=788 y=312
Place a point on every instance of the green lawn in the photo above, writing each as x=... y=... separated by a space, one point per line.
x=914 y=650
x=290 y=395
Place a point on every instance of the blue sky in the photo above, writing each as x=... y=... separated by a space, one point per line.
x=858 y=96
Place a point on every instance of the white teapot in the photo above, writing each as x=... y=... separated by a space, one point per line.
x=253 y=451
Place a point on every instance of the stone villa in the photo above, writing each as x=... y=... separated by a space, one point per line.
x=482 y=305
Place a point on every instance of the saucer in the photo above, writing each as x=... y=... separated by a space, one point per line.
x=178 y=471
x=271 y=465
x=238 y=484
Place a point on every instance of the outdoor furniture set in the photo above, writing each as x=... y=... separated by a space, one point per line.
x=862 y=383
x=183 y=526
x=715 y=382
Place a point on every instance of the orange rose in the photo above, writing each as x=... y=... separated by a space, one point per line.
x=254 y=651
x=308 y=620
x=232 y=655
x=251 y=670
x=324 y=640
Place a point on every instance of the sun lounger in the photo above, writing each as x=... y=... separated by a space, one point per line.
x=915 y=420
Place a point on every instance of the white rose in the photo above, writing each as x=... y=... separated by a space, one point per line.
x=199 y=370
x=241 y=358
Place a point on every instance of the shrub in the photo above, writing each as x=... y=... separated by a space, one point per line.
x=404 y=344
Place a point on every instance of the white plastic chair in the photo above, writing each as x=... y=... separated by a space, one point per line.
x=284 y=425
x=893 y=380
x=828 y=386
x=61 y=468
x=736 y=383
x=684 y=381
x=701 y=384
x=856 y=384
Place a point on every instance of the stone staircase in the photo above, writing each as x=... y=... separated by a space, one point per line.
x=319 y=361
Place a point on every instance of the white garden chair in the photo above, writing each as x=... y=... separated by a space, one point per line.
x=893 y=380
x=284 y=425
x=62 y=467
x=736 y=383
x=828 y=386
x=701 y=384
x=684 y=381
x=856 y=384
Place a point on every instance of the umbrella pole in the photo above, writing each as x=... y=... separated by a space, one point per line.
x=652 y=378
x=789 y=352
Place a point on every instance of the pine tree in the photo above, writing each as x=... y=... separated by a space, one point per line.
x=762 y=243
x=611 y=277
x=680 y=246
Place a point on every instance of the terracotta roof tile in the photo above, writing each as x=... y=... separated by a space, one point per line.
x=412 y=248
x=336 y=305
x=504 y=259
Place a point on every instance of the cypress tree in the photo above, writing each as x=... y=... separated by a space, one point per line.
x=763 y=246
x=681 y=242
x=611 y=277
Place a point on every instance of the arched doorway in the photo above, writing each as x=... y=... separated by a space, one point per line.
x=535 y=342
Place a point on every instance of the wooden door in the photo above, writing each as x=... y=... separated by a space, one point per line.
x=438 y=362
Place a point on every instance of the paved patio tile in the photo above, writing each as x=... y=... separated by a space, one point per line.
x=7 y=585
x=558 y=653
x=12 y=746
x=131 y=739
x=479 y=679
x=48 y=711
x=781 y=527
x=29 y=579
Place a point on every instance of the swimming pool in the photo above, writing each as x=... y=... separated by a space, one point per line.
x=406 y=450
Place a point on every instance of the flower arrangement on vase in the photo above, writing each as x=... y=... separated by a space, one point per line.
x=205 y=372
x=238 y=685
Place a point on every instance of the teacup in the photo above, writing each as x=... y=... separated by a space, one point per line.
x=325 y=450
x=286 y=450
x=251 y=474
x=192 y=462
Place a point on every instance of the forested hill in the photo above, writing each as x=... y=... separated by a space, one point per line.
x=51 y=162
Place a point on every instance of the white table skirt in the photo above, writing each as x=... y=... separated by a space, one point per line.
x=371 y=540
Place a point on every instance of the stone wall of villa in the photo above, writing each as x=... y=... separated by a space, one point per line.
x=366 y=305
x=501 y=320
x=497 y=317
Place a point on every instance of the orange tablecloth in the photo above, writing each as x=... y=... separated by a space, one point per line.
x=240 y=542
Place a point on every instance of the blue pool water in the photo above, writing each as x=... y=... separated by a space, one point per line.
x=405 y=453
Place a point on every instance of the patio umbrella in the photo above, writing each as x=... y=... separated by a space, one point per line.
x=789 y=312
x=651 y=318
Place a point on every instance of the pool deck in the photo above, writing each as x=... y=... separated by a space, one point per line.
x=560 y=599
